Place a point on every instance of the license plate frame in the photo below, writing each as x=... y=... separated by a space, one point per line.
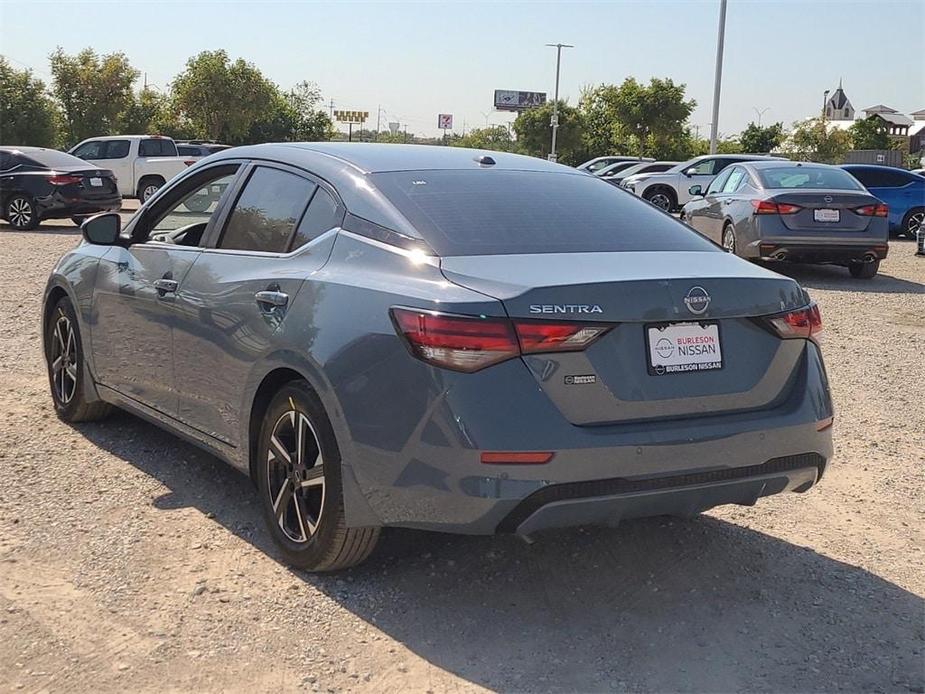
x=825 y=215
x=664 y=361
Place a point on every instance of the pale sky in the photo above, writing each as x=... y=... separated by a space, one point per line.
x=418 y=59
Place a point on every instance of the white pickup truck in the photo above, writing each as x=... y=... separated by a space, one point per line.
x=141 y=163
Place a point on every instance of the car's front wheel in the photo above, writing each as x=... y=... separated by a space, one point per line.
x=65 y=357
x=663 y=198
x=21 y=213
x=914 y=223
x=299 y=481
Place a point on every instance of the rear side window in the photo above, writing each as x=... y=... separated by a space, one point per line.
x=117 y=149
x=187 y=151
x=157 y=147
x=881 y=178
x=322 y=215
x=807 y=177
x=502 y=212
x=266 y=212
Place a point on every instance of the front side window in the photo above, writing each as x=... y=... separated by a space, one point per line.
x=6 y=161
x=191 y=207
x=91 y=150
x=707 y=167
x=716 y=185
x=265 y=215
x=735 y=179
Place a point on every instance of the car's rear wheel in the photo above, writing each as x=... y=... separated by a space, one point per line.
x=663 y=198
x=863 y=271
x=21 y=213
x=729 y=239
x=914 y=222
x=64 y=354
x=148 y=186
x=299 y=480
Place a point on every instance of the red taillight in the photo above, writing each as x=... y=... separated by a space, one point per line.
x=516 y=457
x=805 y=322
x=766 y=207
x=470 y=343
x=873 y=211
x=63 y=179
x=542 y=336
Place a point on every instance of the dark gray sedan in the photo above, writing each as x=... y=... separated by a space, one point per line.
x=780 y=210
x=439 y=338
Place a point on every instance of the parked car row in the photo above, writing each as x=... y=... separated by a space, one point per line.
x=772 y=209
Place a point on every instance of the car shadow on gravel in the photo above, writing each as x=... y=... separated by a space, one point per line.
x=656 y=605
x=46 y=230
x=834 y=278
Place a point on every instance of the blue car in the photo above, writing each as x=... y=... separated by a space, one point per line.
x=902 y=191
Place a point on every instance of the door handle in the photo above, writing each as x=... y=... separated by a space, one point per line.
x=165 y=285
x=271 y=299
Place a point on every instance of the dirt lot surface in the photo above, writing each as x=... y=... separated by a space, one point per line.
x=132 y=561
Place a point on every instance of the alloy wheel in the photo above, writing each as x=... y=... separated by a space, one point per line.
x=20 y=212
x=914 y=226
x=729 y=240
x=64 y=360
x=295 y=476
x=661 y=201
x=148 y=191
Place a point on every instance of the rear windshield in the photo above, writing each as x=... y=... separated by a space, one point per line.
x=808 y=177
x=54 y=159
x=504 y=212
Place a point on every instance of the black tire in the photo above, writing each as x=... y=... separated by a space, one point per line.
x=79 y=220
x=64 y=356
x=730 y=244
x=310 y=529
x=148 y=186
x=662 y=197
x=863 y=271
x=914 y=223
x=20 y=212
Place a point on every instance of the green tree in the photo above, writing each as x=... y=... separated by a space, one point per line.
x=27 y=115
x=534 y=132
x=493 y=137
x=757 y=140
x=811 y=140
x=93 y=91
x=223 y=99
x=603 y=133
x=142 y=114
x=653 y=115
x=869 y=133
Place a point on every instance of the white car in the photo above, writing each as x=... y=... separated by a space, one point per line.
x=598 y=164
x=669 y=190
x=141 y=163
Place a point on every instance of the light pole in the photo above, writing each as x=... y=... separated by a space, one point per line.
x=761 y=113
x=554 y=121
x=825 y=100
x=718 y=77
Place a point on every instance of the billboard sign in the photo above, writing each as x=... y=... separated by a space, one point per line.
x=509 y=100
x=445 y=121
x=351 y=116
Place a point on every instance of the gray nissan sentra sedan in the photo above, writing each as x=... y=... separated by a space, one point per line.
x=795 y=212
x=439 y=338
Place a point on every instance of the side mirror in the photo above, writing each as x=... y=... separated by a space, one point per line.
x=695 y=191
x=690 y=172
x=103 y=229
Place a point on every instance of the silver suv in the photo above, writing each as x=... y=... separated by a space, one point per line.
x=669 y=190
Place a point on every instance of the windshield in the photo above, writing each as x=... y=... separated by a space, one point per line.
x=504 y=212
x=808 y=177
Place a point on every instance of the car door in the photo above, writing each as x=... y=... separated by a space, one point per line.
x=700 y=174
x=238 y=294
x=728 y=184
x=701 y=212
x=134 y=301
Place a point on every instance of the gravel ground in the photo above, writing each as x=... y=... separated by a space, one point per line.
x=130 y=560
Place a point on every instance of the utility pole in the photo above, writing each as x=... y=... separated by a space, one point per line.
x=718 y=77
x=331 y=106
x=378 y=120
x=825 y=99
x=406 y=133
x=554 y=121
x=761 y=113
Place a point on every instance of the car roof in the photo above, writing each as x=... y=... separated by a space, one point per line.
x=370 y=157
x=875 y=167
x=778 y=163
x=24 y=149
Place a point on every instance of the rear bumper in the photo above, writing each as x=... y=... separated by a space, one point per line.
x=57 y=206
x=814 y=252
x=607 y=502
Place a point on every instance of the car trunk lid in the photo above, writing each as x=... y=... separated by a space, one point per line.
x=822 y=210
x=644 y=296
